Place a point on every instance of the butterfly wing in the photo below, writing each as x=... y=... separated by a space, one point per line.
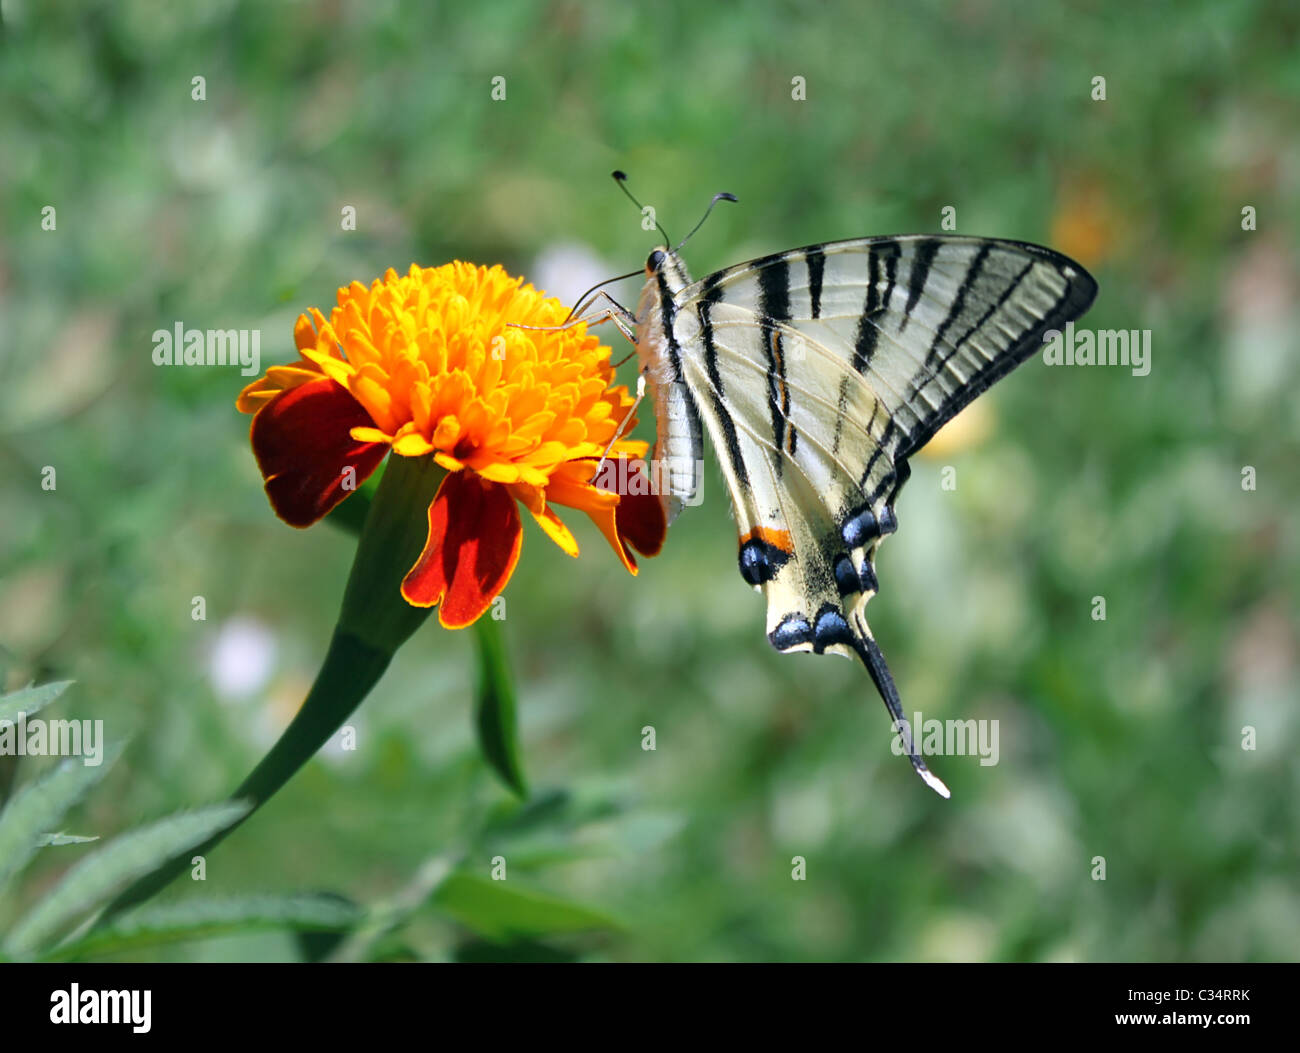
x=818 y=372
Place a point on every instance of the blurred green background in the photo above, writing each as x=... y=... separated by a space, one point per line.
x=1119 y=738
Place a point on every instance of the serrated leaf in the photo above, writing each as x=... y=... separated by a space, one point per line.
x=124 y=858
x=495 y=716
x=37 y=807
x=30 y=699
x=501 y=911
x=56 y=840
x=203 y=918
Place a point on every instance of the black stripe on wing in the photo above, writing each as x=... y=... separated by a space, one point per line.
x=774 y=307
x=1076 y=297
x=932 y=358
x=668 y=310
x=710 y=295
x=917 y=275
x=816 y=260
x=868 y=334
x=882 y=322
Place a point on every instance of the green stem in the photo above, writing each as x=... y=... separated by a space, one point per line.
x=373 y=623
x=495 y=708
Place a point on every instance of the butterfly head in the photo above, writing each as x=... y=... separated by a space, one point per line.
x=665 y=271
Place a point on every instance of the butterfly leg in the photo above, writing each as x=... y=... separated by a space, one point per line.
x=615 y=312
x=640 y=394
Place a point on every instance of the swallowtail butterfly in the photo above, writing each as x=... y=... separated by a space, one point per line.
x=817 y=373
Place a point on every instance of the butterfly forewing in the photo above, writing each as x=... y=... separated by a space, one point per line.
x=928 y=321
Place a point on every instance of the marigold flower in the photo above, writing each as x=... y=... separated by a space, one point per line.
x=425 y=364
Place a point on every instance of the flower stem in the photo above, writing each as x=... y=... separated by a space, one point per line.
x=495 y=710
x=373 y=623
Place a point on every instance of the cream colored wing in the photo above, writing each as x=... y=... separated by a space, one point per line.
x=819 y=371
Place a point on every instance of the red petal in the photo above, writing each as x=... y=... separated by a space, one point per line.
x=302 y=444
x=640 y=517
x=473 y=546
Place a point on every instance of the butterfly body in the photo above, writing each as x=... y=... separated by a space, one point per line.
x=817 y=373
x=679 y=441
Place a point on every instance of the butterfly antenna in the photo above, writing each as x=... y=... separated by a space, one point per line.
x=621 y=179
x=723 y=196
x=874 y=660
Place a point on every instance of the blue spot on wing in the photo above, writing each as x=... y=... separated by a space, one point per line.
x=831 y=628
x=760 y=561
x=793 y=631
x=860 y=527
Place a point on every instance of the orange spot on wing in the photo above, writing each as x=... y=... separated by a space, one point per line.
x=776 y=538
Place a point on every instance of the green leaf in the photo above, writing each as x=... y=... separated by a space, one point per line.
x=502 y=912
x=38 y=807
x=494 y=707
x=515 y=952
x=30 y=699
x=316 y=943
x=55 y=840
x=122 y=859
x=203 y=918
x=546 y=808
x=350 y=670
x=373 y=623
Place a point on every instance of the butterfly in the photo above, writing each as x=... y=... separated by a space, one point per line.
x=817 y=373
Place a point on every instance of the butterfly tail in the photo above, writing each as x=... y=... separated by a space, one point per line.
x=872 y=657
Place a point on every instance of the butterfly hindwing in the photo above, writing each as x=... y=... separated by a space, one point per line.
x=797 y=486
